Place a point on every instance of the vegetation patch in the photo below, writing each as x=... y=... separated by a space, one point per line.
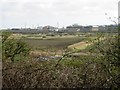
x=98 y=69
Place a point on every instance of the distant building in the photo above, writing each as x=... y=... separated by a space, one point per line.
x=86 y=29
x=95 y=28
x=74 y=28
x=45 y=29
x=16 y=29
x=48 y=28
x=102 y=28
x=69 y=29
x=40 y=28
x=79 y=28
x=25 y=30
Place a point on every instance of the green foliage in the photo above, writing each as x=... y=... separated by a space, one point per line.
x=11 y=48
x=43 y=36
x=5 y=36
x=110 y=51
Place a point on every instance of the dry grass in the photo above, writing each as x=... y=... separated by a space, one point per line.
x=79 y=46
x=84 y=44
x=15 y=36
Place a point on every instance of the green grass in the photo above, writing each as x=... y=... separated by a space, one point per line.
x=72 y=61
x=52 y=42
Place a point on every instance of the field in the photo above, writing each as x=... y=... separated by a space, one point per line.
x=44 y=45
x=53 y=42
x=51 y=45
x=60 y=61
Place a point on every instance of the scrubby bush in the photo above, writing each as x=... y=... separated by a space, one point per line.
x=12 y=48
x=43 y=36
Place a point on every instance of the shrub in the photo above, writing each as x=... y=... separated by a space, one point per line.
x=13 y=47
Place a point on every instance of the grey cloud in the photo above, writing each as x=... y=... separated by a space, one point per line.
x=8 y=6
x=51 y=11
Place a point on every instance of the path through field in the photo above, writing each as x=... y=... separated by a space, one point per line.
x=79 y=46
x=83 y=44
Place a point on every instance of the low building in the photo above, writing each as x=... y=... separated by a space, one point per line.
x=25 y=30
x=48 y=28
x=95 y=28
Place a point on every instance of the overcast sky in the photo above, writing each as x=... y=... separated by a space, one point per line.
x=33 y=13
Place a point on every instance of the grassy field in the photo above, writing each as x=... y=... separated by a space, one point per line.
x=85 y=43
x=42 y=44
x=61 y=42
